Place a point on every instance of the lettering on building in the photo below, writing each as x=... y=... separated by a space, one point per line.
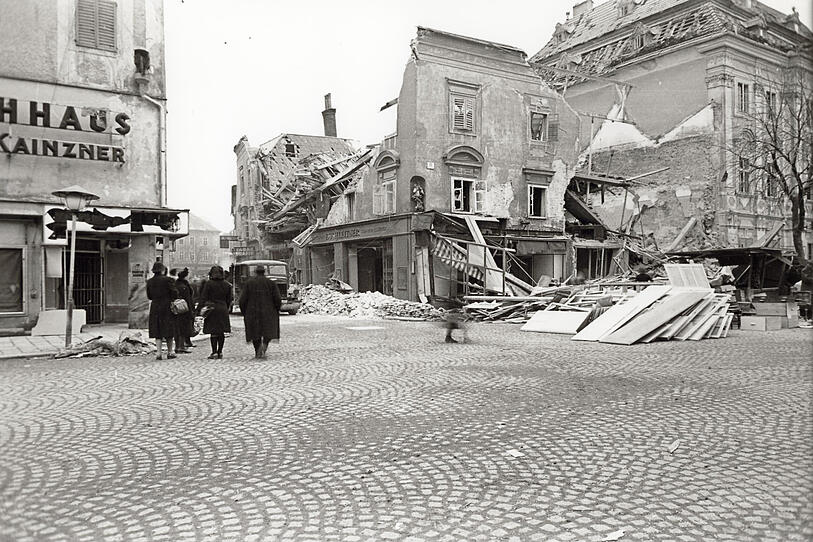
x=64 y=118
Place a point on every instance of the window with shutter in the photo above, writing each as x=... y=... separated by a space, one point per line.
x=462 y=113
x=553 y=128
x=96 y=24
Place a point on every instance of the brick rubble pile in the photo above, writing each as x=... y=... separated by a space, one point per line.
x=318 y=299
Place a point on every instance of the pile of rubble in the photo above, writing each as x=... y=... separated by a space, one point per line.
x=368 y=305
x=129 y=343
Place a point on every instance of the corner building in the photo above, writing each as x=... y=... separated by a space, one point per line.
x=82 y=102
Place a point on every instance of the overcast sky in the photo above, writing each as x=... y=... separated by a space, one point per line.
x=262 y=67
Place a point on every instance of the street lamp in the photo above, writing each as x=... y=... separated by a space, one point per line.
x=75 y=198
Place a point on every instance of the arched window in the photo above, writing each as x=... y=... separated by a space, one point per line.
x=468 y=190
x=386 y=168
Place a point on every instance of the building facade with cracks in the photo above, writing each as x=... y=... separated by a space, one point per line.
x=670 y=84
x=82 y=102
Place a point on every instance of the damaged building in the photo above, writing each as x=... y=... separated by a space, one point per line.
x=468 y=194
x=664 y=86
x=274 y=177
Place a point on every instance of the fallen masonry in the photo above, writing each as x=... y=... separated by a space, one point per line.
x=318 y=299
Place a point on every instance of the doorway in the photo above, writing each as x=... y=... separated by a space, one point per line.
x=375 y=267
x=88 y=280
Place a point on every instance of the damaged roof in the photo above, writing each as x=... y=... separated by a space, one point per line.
x=306 y=144
x=605 y=18
x=424 y=31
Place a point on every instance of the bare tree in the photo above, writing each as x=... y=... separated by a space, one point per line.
x=776 y=144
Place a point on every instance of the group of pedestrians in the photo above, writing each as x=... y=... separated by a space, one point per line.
x=259 y=303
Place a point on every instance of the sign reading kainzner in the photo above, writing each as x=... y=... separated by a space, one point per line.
x=41 y=115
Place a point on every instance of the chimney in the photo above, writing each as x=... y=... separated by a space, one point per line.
x=329 y=118
x=582 y=7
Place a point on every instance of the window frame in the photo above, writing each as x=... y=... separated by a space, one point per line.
x=96 y=46
x=24 y=280
x=545 y=125
x=469 y=93
x=473 y=191
x=543 y=206
x=742 y=100
x=743 y=176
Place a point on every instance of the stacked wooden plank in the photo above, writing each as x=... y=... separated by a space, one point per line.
x=687 y=309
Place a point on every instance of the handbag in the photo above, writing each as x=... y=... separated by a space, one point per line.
x=197 y=326
x=179 y=306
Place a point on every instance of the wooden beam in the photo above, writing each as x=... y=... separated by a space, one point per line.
x=686 y=229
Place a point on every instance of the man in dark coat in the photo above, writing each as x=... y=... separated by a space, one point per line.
x=161 y=291
x=259 y=303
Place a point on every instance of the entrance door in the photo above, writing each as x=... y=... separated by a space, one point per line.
x=369 y=269
x=88 y=279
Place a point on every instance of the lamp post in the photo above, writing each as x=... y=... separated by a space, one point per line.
x=74 y=198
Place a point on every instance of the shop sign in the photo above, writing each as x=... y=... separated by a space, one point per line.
x=57 y=220
x=384 y=228
x=243 y=250
x=23 y=120
x=227 y=240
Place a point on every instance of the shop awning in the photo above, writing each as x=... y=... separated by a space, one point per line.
x=454 y=256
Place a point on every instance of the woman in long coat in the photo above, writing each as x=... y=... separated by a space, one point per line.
x=216 y=293
x=161 y=291
x=185 y=321
x=260 y=302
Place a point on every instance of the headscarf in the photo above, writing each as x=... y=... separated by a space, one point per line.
x=216 y=273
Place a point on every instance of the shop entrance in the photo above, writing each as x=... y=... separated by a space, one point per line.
x=88 y=292
x=375 y=267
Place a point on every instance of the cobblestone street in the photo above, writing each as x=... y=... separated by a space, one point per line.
x=380 y=431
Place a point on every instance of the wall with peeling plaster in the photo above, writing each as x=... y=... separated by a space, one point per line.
x=47 y=66
x=506 y=86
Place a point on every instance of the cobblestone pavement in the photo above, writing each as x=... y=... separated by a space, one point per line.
x=380 y=431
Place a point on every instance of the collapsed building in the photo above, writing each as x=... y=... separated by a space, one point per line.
x=470 y=192
x=276 y=177
x=666 y=86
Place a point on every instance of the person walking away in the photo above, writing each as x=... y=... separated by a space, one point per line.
x=216 y=296
x=260 y=302
x=161 y=291
x=184 y=321
x=454 y=320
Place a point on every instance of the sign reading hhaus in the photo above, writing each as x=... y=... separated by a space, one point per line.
x=66 y=118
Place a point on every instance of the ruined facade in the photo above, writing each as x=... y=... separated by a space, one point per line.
x=669 y=84
x=269 y=177
x=82 y=102
x=483 y=147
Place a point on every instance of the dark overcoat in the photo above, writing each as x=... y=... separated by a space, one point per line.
x=186 y=320
x=218 y=293
x=161 y=291
x=260 y=302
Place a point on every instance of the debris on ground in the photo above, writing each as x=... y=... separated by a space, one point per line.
x=367 y=305
x=613 y=536
x=674 y=446
x=129 y=343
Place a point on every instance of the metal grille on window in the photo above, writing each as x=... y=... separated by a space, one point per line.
x=96 y=24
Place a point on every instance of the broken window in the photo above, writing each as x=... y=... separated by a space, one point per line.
x=537 y=201
x=743 y=176
x=350 y=203
x=468 y=195
x=96 y=24
x=291 y=150
x=462 y=113
x=743 y=105
x=539 y=126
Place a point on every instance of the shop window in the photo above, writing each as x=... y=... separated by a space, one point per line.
x=96 y=24
x=743 y=176
x=11 y=280
x=468 y=195
x=743 y=97
x=537 y=201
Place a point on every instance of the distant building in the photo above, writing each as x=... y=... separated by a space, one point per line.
x=483 y=149
x=687 y=75
x=82 y=102
x=199 y=250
